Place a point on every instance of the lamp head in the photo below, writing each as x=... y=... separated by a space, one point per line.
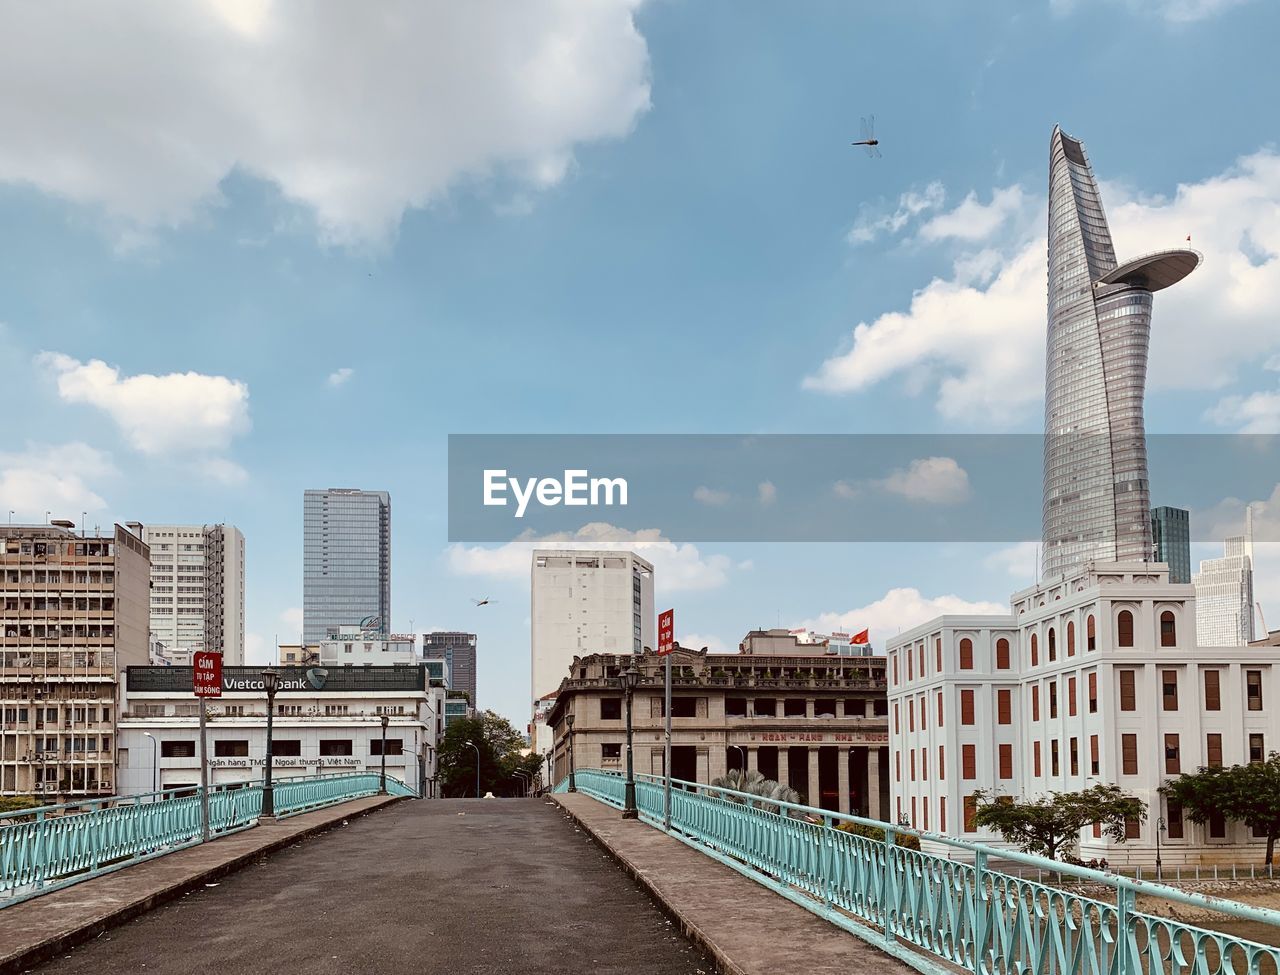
x=385 y=721
x=630 y=678
x=568 y=719
x=271 y=680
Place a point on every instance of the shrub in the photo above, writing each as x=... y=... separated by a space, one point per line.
x=905 y=840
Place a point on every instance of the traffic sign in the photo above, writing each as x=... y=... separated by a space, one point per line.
x=666 y=632
x=206 y=673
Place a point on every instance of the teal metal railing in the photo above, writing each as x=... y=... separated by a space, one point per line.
x=50 y=847
x=939 y=913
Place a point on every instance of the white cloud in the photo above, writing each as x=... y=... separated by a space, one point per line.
x=845 y=490
x=1171 y=11
x=977 y=336
x=699 y=640
x=143 y=110
x=934 y=480
x=706 y=495
x=911 y=204
x=1019 y=560
x=223 y=471
x=1255 y=413
x=768 y=493
x=339 y=377
x=676 y=567
x=899 y=609
x=176 y=412
x=972 y=220
x=291 y=620
x=45 y=477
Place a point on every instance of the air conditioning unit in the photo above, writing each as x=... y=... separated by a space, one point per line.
x=38 y=787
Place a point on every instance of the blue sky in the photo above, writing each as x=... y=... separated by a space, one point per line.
x=306 y=242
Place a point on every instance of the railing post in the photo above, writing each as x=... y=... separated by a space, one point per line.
x=887 y=885
x=825 y=857
x=40 y=844
x=1124 y=905
x=982 y=927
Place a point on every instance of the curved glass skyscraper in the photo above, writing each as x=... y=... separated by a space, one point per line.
x=1096 y=493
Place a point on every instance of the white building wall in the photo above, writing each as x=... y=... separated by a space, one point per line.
x=178 y=588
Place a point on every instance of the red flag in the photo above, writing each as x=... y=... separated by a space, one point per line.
x=861 y=639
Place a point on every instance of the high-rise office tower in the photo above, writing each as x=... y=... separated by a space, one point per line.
x=1224 y=593
x=73 y=615
x=346 y=560
x=1171 y=541
x=458 y=651
x=1096 y=492
x=197 y=588
x=586 y=602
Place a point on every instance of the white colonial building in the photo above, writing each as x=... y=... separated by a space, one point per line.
x=326 y=720
x=1095 y=678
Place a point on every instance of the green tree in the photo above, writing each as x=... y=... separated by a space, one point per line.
x=1249 y=794
x=500 y=747
x=1052 y=825
x=17 y=803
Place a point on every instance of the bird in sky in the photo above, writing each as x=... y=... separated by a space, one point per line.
x=483 y=602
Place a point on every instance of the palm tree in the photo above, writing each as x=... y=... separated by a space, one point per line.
x=755 y=784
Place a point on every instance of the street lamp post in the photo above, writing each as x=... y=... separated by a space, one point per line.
x=630 y=678
x=155 y=764
x=382 y=776
x=742 y=754
x=270 y=681
x=1160 y=828
x=474 y=746
x=573 y=785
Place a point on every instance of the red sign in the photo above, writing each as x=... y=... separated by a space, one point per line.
x=666 y=632
x=206 y=673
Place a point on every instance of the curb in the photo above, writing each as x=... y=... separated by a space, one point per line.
x=26 y=958
x=688 y=926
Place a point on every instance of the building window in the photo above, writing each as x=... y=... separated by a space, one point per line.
x=1073 y=754
x=942 y=761
x=611 y=751
x=939 y=709
x=937 y=646
x=1071 y=697
x=1091 y=634
x=1132 y=828
x=1257 y=754
x=896 y=712
x=1173 y=820
x=1217 y=826
x=1053 y=645
x=1212 y=691
x=1004 y=706
x=1071 y=638
x=1093 y=693
x=286 y=747
x=611 y=709
x=970 y=812
x=233 y=748
x=1002 y=654
x=767 y=707
x=1213 y=751
x=1253 y=686
x=687 y=707
x=1053 y=757
x=966 y=654
x=968 y=762
x=335 y=746
x=1124 y=628
x=1006 y=761
x=177 y=749
x=736 y=707
x=1129 y=754
x=1172 y=760
x=1169 y=686
x=1035 y=758
x=910 y=670
x=1053 y=699
x=1093 y=755
x=1168 y=630
x=966 y=706
x=1035 y=702
x=1035 y=651
x=1128 y=696
x=395 y=746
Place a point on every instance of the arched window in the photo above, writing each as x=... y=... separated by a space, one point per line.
x=966 y=654
x=1053 y=645
x=1091 y=634
x=1168 y=629
x=1124 y=629
x=1002 y=654
x=1071 y=638
x=1035 y=650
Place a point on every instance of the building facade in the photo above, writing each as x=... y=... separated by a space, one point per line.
x=197 y=589
x=1092 y=679
x=74 y=612
x=1224 y=593
x=326 y=720
x=584 y=602
x=346 y=560
x=816 y=722
x=347 y=646
x=458 y=651
x=1096 y=490
x=1171 y=541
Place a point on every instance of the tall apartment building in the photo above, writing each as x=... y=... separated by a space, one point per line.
x=1224 y=593
x=346 y=560
x=74 y=614
x=1171 y=541
x=1096 y=491
x=458 y=651
x=586 y=602
x=197 y=588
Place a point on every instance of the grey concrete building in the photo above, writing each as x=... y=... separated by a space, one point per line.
x=346 y=561
x=458 y=651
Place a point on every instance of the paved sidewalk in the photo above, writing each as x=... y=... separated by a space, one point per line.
x=746 y=927
x=40 y=928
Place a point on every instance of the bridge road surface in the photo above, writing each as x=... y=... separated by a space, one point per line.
x=464 y=887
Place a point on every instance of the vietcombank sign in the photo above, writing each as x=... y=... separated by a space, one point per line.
x=293 y=680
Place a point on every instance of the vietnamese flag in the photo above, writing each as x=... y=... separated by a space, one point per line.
x=862 y=639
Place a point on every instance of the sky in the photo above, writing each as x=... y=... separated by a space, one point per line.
x=253 y=247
